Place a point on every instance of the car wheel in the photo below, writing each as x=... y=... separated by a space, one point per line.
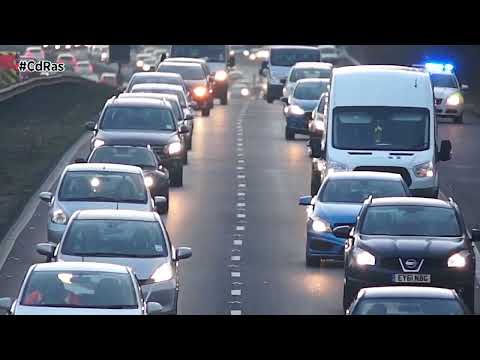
x=269 y=99
x=224 y=99
x=289 y=134
x=166 y=208
x=176 y=176
x=458 y=119
x=468 y=297
x=189 y=144
x=348 y=295
x=206 y=112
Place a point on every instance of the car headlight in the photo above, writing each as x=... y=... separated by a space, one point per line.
x=146 y=67
x=59 y=217
x=149 y=181
x=98 y=143
x=163 y=273
x=296 y=110
x=57 y=47
x=458 y=260
x=221 y=75
x=320 y=226
x=139 y=63
x=246 y=52
x=424 y=170
x=200 y=91
x=455 y=99
x=174 y=148
x=232 y=52
x=334 y=166
x=363 y=257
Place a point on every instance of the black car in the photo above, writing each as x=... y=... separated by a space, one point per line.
x=156 y=176
x=142 y=122
x=409 y=241
x=407 y=300
x=199 y=83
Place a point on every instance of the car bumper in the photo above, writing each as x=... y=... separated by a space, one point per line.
x=55 y=232
x=298 y=124
x=325 y=245
x=160 y=188
x=165 y=293
x=173 y=163
x=447 y=111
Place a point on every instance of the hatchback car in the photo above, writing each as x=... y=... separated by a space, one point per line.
x=136 y=239
x=306 y=70
x=407 y=300
x=409 y=241
x=97 y=186
x=79 y=288
x=156 y=78
x=338 y=202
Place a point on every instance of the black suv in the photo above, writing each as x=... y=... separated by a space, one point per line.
x=142 y=122
x=409 y=241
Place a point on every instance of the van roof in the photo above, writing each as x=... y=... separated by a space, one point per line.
x=381 y=85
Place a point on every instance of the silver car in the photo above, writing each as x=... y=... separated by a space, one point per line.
x=97 y=186
x=136 y=239
x=79 y=288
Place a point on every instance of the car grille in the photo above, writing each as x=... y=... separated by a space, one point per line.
x=390 y=169
x=393 y=264
x=438 y=101
x=321 y=246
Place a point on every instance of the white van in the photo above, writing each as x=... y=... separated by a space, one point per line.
x=382 y=118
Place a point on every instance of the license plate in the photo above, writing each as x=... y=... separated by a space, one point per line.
x=412 y=278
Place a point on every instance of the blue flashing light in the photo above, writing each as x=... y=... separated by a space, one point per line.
x=438 y=67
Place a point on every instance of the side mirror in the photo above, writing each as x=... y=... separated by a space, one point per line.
x=465 y=87
x=342 y=232
x=188 y=117
x=6 y=304
x=183 y=253
x=90 y=125
x=46 y=196
x=161 y=204
x=183 y=129
x=305 y=200
x=283 y=81
x=475 y=233
x=284 y=99
x=47 y=250
x=445 y=152
x=80 y=161
x=153 y=308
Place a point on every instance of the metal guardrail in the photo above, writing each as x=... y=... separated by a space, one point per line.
x=24 y=86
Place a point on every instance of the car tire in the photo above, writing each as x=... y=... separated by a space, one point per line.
x=189 y=144
x=289 y=134
x=348 y=295
x=176 y=177
x=224 y=99
x=270 y=99
x=185 y=156
x=468 y=297
x=458 y=119
x=206 y=112
x=166 y=209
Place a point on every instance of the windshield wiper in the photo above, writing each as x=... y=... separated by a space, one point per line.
x=113 y=254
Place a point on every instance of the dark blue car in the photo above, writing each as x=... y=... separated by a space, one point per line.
x=338 y=203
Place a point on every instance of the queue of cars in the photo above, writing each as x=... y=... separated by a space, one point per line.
x=108 y=251
x=374 y=203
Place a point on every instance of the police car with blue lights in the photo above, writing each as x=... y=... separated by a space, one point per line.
x=449 y=101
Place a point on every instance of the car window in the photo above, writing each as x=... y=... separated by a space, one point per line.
x=85 y=289
x=180 y=94
x=309 y=90
x=444 y=80
x=411 y=220
x=408 y=306
x=138 y=118
x=357 y=190
x=103 y=186
x=121 y=238
x=193 y=72
x=141 y=157
x=298 y=74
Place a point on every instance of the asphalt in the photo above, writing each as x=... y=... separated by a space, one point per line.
x=241 y=218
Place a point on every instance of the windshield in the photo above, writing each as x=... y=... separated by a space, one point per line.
x=180 y=95
x=357 y=190
x=153 y=80
x=299 y=74
x=114 y=238
x=176 y=109
x=408 y=306
x=141 y=157
x=328 y=51
x=444 y=81
x=213 y=53
x=310 y=90
x=138 y=118
x=190 y=72
x=381 y=128
x=84 y=289
x=411 y=220
x=103 y=186
x=289 y=57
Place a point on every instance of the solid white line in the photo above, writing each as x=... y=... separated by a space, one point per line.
x=235 y=312
x=237 y=242
x=235 y=274
x=235 y=258
x=236 y=292
x=28 y=211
